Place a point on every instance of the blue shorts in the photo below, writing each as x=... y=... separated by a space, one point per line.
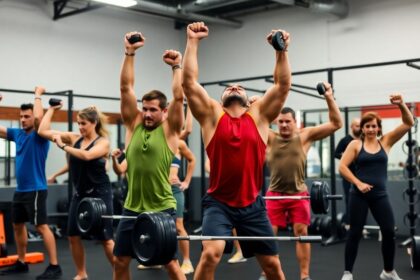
x=219 y=219
x=180 y=201
x=123 y=245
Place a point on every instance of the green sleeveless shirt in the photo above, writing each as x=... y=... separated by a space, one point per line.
x=148 y=161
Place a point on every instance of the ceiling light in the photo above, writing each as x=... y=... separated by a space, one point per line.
x=120 y=3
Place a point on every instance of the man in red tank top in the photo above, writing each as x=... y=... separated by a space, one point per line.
x=235 y=135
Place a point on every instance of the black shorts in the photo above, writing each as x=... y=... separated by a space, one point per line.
x=219 y=219
x=123 y=246
x=107 y=232
x=30 y=207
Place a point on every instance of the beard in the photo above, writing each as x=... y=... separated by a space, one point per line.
x=357 y=133
x=234 y=98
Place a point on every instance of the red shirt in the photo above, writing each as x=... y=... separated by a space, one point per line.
x=236 y=154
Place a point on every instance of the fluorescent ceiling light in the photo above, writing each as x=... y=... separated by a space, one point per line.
x=120 y=3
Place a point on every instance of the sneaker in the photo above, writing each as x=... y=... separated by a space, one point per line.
x=347 y=275
x=237 y=258
x=262 y=277
x=17 y=267
x=142 y=267
x=51 y=272
x=306 y=278
x=187 y=267
x=389 y=275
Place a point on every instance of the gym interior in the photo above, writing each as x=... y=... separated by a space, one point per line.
x=366 y=49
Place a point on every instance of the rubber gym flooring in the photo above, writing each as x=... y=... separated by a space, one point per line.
x=327 y=263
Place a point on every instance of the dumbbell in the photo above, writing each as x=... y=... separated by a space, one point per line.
x=54 y=102
x=135 y=38
x=277 y=41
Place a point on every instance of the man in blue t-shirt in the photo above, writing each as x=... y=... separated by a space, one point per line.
x=29 y=200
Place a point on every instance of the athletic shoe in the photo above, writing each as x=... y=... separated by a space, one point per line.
x=237 y=258
x=262 y=277
x=389 y=275
x=17 y=267
x=142 y=267
x=347 y=275
x=306 y=278
x=187 y=267
x=51 y=272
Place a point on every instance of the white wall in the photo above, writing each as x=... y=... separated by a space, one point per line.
x=375 y=31
x=82 y=52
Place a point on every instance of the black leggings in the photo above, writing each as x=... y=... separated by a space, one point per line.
x=382 y=213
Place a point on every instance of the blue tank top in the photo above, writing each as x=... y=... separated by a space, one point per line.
x=176 y=162
x=372 y=169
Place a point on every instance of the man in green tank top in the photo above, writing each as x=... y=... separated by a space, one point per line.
x=151 y=140
x=286 y=155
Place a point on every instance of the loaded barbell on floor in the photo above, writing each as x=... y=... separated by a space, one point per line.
x=154 y=236
x=319 y=197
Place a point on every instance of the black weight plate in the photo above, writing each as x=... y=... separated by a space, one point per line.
x=170 y=236
x=415 y=253
x=85 y=215
x=147 y=252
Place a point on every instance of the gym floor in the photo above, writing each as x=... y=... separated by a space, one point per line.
x=327 y=263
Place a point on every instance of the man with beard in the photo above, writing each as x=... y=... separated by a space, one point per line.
x=287 y=152
x=235 y=136
x=151 y=143
x=30 y=198
x=341 y=147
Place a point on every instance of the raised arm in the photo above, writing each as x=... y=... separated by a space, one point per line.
x=270 y=104
x=188 y=125
x=38 y=110
x=311 y=134
x=189 y=156
x=348 y=157
x=176 y=107
x=44 y=129
x=129 y=110
x=119 y=167
x=394 y=135
x=202 y=106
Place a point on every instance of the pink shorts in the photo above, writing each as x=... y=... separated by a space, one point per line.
x=283 y=212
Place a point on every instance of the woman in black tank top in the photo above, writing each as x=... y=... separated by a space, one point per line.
x=88 y=153
x=368 y=192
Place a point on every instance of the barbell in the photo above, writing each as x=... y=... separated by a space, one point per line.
x=319 y=197
x=154 y=236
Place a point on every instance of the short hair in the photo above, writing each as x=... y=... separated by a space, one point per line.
x=287 y=110
x=26 y=106
x=156 y=94
x=370 y=116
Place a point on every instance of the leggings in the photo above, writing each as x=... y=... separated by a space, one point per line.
x=381 y=210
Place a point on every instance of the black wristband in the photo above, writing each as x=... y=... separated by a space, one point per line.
x=62 y=147
x=130 y=54
x=176 y=66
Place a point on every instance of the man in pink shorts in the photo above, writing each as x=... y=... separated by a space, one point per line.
x=287 y=152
